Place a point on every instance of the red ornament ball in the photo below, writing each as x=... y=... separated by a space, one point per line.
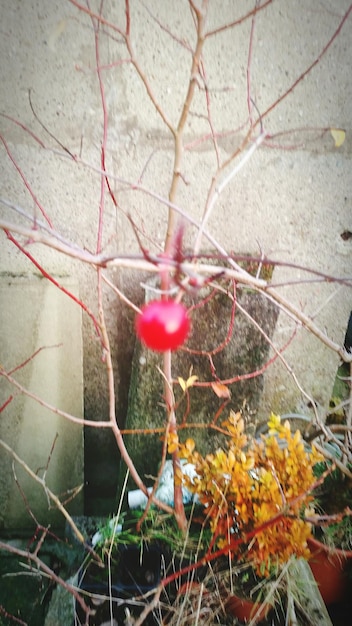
x=163 y=325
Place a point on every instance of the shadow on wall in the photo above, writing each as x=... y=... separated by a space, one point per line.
x=101 y=455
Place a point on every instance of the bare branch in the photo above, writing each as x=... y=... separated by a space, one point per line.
x=47 y=491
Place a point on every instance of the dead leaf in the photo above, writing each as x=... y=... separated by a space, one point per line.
x=172 y=443
x=221 y=390
x=182 y=383
x=338 y=135
x=191 y=380
x=186 y=384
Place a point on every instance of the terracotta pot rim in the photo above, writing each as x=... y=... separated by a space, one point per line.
x=347 y=554
x=240 y=606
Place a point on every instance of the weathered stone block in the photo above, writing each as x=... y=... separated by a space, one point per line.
x=41 y=347
x=245 y=352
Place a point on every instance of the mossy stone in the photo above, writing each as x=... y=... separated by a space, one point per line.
x=244 y=352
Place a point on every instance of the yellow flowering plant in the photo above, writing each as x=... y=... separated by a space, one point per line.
x=257 y=493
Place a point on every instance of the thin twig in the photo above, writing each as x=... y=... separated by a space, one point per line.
x=47 y=491
x=48 y=571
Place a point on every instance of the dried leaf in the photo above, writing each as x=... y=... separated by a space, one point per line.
x=190 y=381
x=186 y=384
x=190 y=444
x=182 y=383
x=221 y=390
x=172 y=443
x=338 y=135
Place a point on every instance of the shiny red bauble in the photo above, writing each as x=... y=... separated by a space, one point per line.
x=163 y=325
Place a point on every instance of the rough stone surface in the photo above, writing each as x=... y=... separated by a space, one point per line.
x=62 y=606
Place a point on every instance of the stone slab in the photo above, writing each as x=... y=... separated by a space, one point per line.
x=38 y=320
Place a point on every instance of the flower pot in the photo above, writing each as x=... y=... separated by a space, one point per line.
x=135 y=573
x=247 y=610
x=329 y=569
x=138 y=572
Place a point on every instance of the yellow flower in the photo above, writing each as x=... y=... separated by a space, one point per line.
x=254 y=483
x=235 y=426
x=172 y=442
x=274 y=424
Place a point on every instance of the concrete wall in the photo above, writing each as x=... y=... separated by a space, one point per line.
x=37 y=319
x=292 y=202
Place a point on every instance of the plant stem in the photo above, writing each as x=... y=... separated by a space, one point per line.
x=180 y=515
x=178 y=133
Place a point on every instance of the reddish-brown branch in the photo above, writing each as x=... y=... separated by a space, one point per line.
x=187 y=409
x=235 y=543
x=197 y=71
x=98 y=17
x=50 y=407
x=310 y=67
x=25 y=128
x=240 y=20
x=128 y=41
x=47 y=130
x=25 y=554
x=128 y=18
x=219 y=348
x=54 y=281
x=249 y=62
x=312 y=134
x=179 y=510
x=189 y=268
x=31 y=357
x=96 y=26
x=181 y=42
x=213 y=134
x=178 y=132
x=249 y=375
x=12 y=618
x=219 y=412
x=6 y=403
x=26 y=183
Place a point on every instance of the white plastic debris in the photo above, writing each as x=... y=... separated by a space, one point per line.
x=98 y=537
x=137 y=499
x=165 y=490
